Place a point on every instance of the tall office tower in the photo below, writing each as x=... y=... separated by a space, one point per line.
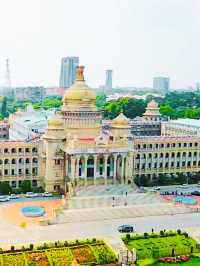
x=109 y=73
x=68 y=71
x=161 y=84
x=197 y=86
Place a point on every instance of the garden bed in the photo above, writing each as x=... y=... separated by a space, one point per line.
x=38 y=258
x=161 y=245
x=88 y=252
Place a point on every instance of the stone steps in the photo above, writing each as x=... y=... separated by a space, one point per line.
x=110 y=213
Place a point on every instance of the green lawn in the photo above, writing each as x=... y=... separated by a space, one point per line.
x=162 y=246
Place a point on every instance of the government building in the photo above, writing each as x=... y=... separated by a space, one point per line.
x=76 y=149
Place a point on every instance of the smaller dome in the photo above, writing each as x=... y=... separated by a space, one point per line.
x=152 y=104
x=55 y=123
x=120 y=120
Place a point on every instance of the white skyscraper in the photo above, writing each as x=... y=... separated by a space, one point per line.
x=161 y=84
x=109 y=73
x=68 y=71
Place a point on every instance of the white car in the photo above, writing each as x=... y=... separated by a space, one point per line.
x=4 y=198
x=47 y=194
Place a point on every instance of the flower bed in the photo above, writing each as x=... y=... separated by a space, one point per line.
x=38 y=258
x=13 y=259
x=60 y=256
x=83 y=254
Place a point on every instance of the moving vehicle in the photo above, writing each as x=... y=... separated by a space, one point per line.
x=125 y=228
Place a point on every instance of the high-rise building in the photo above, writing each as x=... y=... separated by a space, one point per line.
x=109 y=73
x=161 y=84
x=68 y=71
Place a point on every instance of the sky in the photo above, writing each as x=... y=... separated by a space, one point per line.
x=138 y=39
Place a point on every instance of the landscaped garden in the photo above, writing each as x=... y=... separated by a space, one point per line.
x=89 y=252
x=167 y=247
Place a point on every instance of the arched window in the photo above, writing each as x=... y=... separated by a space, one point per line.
x=161 y=155
x=6 y=161
x=34 y=150
x=167 y=155
x=13 y=161
x=6 y=150
x=13 y=150
x=27 y=160
x=20 y=160
x=35 y=160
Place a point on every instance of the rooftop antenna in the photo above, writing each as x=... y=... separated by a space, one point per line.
x=8 y=79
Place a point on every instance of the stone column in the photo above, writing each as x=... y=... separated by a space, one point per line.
x=73 y=167
x=77 y=166
x=105 y=169
x=122 y=171
x=95 y=168
x=85 y=169
x=115 y=169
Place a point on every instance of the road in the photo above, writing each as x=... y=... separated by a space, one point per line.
x=10 y=234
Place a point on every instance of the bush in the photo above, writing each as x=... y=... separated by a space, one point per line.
x=179 y=231
x=185 y=234
x=162 y=233
x=146 y=235
x=12 y=248
x=31 y=246
x=66 y=244
x=128 y=236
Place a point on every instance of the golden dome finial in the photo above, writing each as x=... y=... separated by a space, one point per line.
x=79 y=73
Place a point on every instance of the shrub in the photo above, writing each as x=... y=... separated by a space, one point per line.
x=66 y=244
x=31 y=246
x=146 y=235
x=12 y=248
x=128 y=236
x=94 y=240
x=162 y=233
x=179 y=231
x=185 y=234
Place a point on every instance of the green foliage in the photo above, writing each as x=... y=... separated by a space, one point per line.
x=5 y=188
x=26 y=186
x=161 y=245
x=130 y=107
x=101 y=101
x=4 y=112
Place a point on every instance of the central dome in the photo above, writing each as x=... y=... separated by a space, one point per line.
x=79 y=96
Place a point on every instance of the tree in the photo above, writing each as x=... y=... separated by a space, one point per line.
x=4 y=107
x=5 y=188
x=26 y=186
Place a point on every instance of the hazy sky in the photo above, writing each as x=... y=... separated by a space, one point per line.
x=138 y=39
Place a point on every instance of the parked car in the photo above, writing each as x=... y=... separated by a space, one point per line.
x=47 y=194
x=125 y=228
x=14 y=196
x=4 y=198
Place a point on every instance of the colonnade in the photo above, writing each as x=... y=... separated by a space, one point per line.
x=96 y=166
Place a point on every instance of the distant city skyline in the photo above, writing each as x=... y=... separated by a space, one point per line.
x=68 y=71
x=137 y=39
